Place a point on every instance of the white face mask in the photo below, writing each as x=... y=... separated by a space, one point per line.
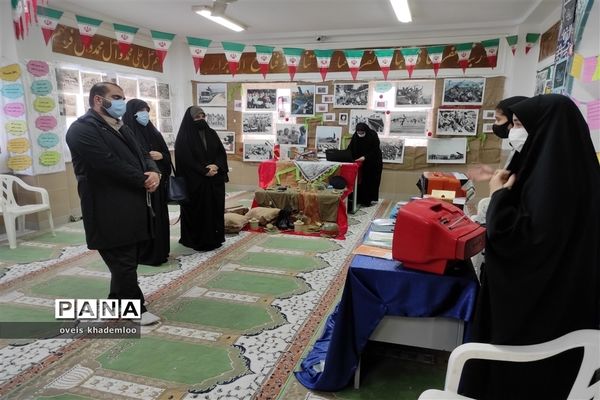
x=517 y=138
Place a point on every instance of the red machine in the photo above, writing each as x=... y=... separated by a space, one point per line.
x=431 y=232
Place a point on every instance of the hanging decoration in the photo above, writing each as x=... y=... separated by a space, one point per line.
x=411 y=55
x=464 y=52
x=292 y=58
x=22 y=13
x=323 y=61
x=384 y=58
x=125 y=35
x=87 y=29
x=162 y=42
x=512 y=42
x=49 y=20
x=435 y=55
x=491 y=50
x=263 y=56
x=233 y=53
x=353 y=58
x=530 y=39
x=198 y=48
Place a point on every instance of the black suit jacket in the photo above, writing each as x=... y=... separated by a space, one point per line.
x=110 y=180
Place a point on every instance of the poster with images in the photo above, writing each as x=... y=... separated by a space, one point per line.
x=257 y=150
x=350 y=95
x=67 y=105
x=414 y=93
x=457 y=122
x=408 y=123
x=67 y=80
x=216 y=117
x=290 y=151
x=89 y=79
x=165 y=126
x=303 y=100
x=291 y=134
x=147 y=88
x=463 y=91
x=374 y=119
x=543 y=80
x=165 y=108
x=261 y=99
x=257 y=123
x=447 y=151
x=328 y=137
x=129 y=86
x=163 y=91
x=228 y=140
x=560 y=77
x=211 y=94
x=392 y=150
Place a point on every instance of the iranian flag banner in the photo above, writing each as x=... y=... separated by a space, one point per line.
x=198 y=48
x=323 y=61
x=48 y=20
x=292 y=58
x=125 y=35
x=22 y=13
x=435 y=54
x=530 y=40
x=263 y=56
x=384 y=58
x=512 y=42
x=233 y=53
x=353 y=58
x=491 y=50
x=411 y=55
x=87 y=29
x=162 y=42
x=464 y=52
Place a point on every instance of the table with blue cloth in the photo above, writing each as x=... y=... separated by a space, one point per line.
x=374 y=288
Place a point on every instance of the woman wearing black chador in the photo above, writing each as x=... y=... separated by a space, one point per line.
x=364 y=146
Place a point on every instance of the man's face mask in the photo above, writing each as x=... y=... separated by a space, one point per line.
x=517 y=138
x=114 y=108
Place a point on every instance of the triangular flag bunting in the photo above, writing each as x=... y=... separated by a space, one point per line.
x=22 y=11
x=464 y=52
x=353 y=58
x=125 y=35
x=162 y=42
x=491 y=50
x=384 y=58
x=292 y=58
x=263 y=56
x=435 y=54
x=49 y=20
x=411 y=55
x=323 y=61
x=530 y=39
x=512 y=42
x=87 y=29
x=233 y=53
x=198 y=48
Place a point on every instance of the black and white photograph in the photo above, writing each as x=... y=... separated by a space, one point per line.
x=375 y=119
x=165 y=108
x=415 y=93
x=457 y=122
x=163 y=91
x=351 y=95
x=237 y=105
x=261 y=99
x=322 y=108
x=322 y=89
x=147 y=88
x=392 y=150
x=463 y=91
x=67 y=104
x=228 y=140
x=89 y=79
x=216 y=117
x=328 y=137
x=329 y=117
x=447 y=151
x=408 y=123
x=257 y=123
x=165 y=125
x=291 y=134
x=67 y=80
x=487 y=128
x=560 y=74
x=303 y=100
x=129 y=86
x=257 y=150
x=489 y=114
x=212 y=94
x=343 y=118
x=170 y=140
x=327 y=99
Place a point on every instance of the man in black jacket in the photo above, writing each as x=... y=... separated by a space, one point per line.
x=114 y=179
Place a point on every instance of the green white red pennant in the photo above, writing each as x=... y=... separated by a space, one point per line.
x=22 y=13
x=263 y=56
x=384 y=58
x=435 y=54
x=464 y=52
x=87 y=29
x=411 y=55
x=162 y=42
x=323 y=61
x=530 y=39
x=233 y=53
x=491 y=50
x=125 y=35
x=292 y=59
x=198 y=48
x=48 y=21
x=512 y=42
x=353 y=59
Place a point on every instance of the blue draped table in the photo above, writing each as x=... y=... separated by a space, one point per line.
x=374 y=288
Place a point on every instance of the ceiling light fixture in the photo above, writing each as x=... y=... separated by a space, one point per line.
x=216 y=13
x=402 y=10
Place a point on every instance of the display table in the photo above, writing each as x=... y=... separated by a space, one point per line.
x=376 y=288
x=286 y=173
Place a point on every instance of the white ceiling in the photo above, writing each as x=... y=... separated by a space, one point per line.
x=342 y=23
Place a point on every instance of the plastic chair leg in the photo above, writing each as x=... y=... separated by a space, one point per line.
x=51 y=222
x=11 y=233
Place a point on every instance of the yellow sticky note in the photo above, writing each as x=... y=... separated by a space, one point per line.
x=577 y=66
x=596 y=75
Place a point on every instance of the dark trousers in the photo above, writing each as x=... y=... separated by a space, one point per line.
x=122 y=262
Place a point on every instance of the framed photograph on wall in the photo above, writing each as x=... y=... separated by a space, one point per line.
x=257 y=150
x=303 y=100
x=322 y=108
x=257 y=123
x=261 y=99
x=163 y=91
x=447 y=151
x=228 y=140
x=67 y=80
x=211 y=94
x=343 y=118
x=414 y=93
x=392 y=149
x=329 y=117
x=327 y=99
x=328 y=137
x=322 y=89
x=375 y=119
x=457 y=122
x=487 y=128
x=350 y=95
x=147 y=88
x=291 y=134
x=408 y=123
x=463 y=91
x=489 y=114
x=216 y=117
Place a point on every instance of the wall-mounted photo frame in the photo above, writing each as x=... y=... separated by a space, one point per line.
x=351 y=95
x=487 y=128
x=261 y=99
x=327 y=99
x=447 y=151
x=414 y=93
x=343 y=119
x=147 y=88
x=228 y=140
x=291 y=134
x=412 y=123
x=392 y=149
x=67 y=80
x=257 y=150
x=375 y=120
x=211 y=94
x=256 y=123
x=463 y=91
x=303 y=100
x=163 y=91
x=322 y=108
x=322 y=89
x=489 y=114
x=457 y=122
x=216 y=117
x=329 y=117
x=328 y=137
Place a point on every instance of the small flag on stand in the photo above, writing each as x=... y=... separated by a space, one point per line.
x=464 y=52
x=162 y=42
x=411 y=55
x=233 y=53
x=353 y=58
x=198 y=48
x=384 y=58
x=530 y=39
x=125 y=35
x=491 y=50
x=512 y=42
x=263 y=56
x=323 y=61
x=87 y=29
x=435 y=54
x=49 y=20
x=292 y=58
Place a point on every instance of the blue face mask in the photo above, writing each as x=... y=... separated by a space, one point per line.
x=143 y=117
x=116 y=109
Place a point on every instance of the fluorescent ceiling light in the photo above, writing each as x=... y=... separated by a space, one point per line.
x=401 y=9
x=227 y=22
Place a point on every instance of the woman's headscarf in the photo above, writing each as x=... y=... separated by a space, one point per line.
x=502 y=130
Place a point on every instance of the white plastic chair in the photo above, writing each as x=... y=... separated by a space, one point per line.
x=588 y=339
x=11 y=210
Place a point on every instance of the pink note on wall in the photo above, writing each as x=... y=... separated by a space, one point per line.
x=593 y=114
x=589 y=66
